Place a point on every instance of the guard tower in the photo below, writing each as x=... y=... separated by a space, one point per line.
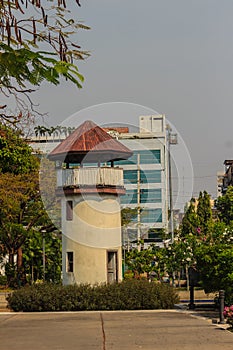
x=90 y=187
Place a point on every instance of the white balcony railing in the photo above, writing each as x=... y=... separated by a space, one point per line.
x=104 y=176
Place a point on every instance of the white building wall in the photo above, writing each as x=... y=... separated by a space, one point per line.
x=94 y=231
x=152 y=123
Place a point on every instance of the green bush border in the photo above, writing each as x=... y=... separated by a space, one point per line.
x=127 y=295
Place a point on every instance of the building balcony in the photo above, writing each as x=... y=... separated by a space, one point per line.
x=90 y=178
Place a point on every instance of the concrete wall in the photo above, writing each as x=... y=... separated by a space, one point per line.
x=152 y=123
x=94 y=230
x=90 y=264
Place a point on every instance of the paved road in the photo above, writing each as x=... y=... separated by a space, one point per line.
x=165 y=330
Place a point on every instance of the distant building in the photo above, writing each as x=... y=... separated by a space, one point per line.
x=145 y=179
x=225 y=179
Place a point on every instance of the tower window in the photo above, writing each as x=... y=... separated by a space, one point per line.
x=112 y=271
x=69 y=210
x=69 y=262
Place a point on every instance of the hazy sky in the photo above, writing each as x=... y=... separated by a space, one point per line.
x=172 y=56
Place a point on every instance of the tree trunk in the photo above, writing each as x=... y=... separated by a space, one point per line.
x=19 y=258
x=11 y=257
x=10 y=269
x=21 y=276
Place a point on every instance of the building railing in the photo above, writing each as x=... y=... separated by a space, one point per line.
x=90 y=176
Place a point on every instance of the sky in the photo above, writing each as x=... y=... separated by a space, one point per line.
x=172 y=57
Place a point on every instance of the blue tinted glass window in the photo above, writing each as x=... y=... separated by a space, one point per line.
x=131 y=160
x=151 y=195
x=150 y=176
x=146 y=196
x=151 y=215
x=150 y=156
x=130 y=176
x=130 y=197
x=146 y=157
x=146 y=176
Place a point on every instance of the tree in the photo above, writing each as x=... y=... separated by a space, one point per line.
x=21 y=207
x=127 y=215
x=70 y=129
x=27 y=25
x=48 y=185
x=33 y=256
x=142 y=261
x=214 y=262
x=204 y=212
x=179 y=255
x=197 y=218
x=190 y=220
x=214 y=257
x=17 y=194
x=22 y=214
x=211 y=243
x=224 y=206
x=15 y=154
x=197 y=228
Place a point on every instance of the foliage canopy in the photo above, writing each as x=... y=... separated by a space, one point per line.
x=38 y=44
x=15 y=154
x=22 y=212
x=224 y=206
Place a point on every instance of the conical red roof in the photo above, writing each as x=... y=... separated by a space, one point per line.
x=89 y=143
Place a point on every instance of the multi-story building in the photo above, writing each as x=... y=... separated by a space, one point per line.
x=145 y=178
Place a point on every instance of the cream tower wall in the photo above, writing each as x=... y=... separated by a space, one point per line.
x=93 y=233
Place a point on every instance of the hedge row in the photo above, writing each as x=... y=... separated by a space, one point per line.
x=127 y=295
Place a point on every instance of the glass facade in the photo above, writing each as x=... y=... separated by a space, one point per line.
x=151 y=201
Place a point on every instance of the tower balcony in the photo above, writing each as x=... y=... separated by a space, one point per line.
x=91 y=179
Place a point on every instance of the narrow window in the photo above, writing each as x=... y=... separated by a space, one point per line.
x=69 y=210
x=69 y=262
x=112 y=271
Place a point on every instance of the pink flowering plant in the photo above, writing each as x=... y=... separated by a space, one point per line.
x=228 y=314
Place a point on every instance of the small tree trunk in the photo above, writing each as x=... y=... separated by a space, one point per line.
x=10 y=268
x=19 y=259
x=178 y=273
x=187 y=277
x=21 y=276
x=11 y=257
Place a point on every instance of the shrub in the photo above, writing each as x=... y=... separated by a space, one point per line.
x=228 y=314
x=3 y=280
x=127 y=295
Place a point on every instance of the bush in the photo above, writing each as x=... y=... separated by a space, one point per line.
x=127 y=295
x=3 y=280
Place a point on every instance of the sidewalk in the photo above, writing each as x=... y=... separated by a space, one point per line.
x=3 y=302
x=198 y=295
x=149 y=330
